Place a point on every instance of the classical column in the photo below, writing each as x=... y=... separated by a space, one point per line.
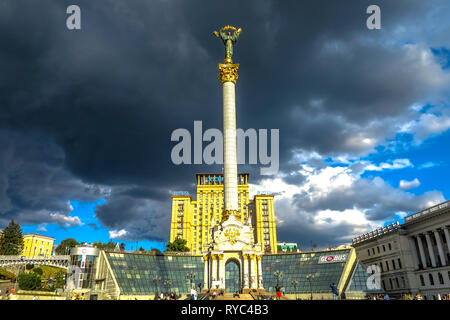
x=412 y=244
x=440 y=248
x=422 y=252
x=447 y=237
x=430 y=249
x=221 y=275
x=228 y=76
x=214 y=268
x=253 y=275
x=259 y=258
x=205 y=273
x=245 y=273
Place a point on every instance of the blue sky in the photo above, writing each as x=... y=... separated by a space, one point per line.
x=91 y=230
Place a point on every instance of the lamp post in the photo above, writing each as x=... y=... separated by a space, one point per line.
x=167 y=284
x=191 y=275
x=295 y=284
x=310 y=277
x=279 y=275
x=155 y=279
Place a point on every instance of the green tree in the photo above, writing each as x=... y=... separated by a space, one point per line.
x=38 y=271
x=105 y=246
x=60 y=278
x=29 y=266
x=64 y=247
x=122 y=246
x=178 y=245
x=29 y=281
x=156 y=252
x=11 y=242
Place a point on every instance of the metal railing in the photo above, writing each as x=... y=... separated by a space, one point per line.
x=427 y=211
x=376 y=233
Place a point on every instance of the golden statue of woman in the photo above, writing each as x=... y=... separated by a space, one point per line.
x=229 y=40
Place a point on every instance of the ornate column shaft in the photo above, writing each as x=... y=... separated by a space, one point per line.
x=259 y=258
x=214 y=268
x=430 y=250
x=245 y=271
x=221 y=276
x=440 y=248
x=228 y=76
x=422 y=252
x=253 y=275
x=205 y=273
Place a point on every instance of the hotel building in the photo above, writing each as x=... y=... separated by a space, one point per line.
x=193 y=219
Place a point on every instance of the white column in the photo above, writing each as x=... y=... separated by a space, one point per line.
x=222 y=271
x=440 y=248
x=253 y=273
x=214 y=268
x=422 y=252
x=412 y=244
x=245 y=273
x=430 y=249
x=205 y=275
x=447 y=238
x=229 y=146
x=260 y=285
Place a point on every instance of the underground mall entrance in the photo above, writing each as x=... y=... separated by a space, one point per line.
x=232 y=276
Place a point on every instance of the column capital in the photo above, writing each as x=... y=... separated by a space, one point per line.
x=228 y=72
x=258 y=257
x=205 y=257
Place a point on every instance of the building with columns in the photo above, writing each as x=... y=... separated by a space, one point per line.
x=413 y=257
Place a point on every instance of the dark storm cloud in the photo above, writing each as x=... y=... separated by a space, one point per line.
x=110 y=95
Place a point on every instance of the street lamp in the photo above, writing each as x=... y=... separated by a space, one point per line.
x=295 y=284
x=279 y=275
x=191 y=275
x=155 y=279
x=310 y=277
x=167 y=284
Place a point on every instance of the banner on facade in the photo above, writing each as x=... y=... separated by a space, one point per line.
x=333 y=258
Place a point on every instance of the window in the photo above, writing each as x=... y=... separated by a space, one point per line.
x=399 y=263
x=396 y=281
x=422 y=281
x=384 y=248
x=387 y=265
x=393 y=264
x=373 y=250
x=378 y=249
x=390 y=283
x=430 y=276
x=390 y=247
x=441 y=278
x=368 y=252
x=381 y=266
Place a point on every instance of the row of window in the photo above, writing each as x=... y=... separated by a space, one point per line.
x=431 y=279
x=379 y=250
x=386 y=266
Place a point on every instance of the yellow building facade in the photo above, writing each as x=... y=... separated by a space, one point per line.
x=37 y=245
x=193 y=219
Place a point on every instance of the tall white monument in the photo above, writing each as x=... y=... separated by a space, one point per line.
x=233 y=243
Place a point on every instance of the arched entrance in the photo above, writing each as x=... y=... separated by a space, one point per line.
x=232 y=276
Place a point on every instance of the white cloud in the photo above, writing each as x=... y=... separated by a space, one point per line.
x=42 y=229
x=65 y=221
x=117 y=234
x=406 y=185
x=396 y=164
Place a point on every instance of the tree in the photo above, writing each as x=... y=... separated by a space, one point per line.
x=122 y=246
x=178 y=245
x=38 y=271
x=64 y=247
x=29 y=266
x=105 y=246
x=156 y=252
x=29 y=281
x=11 y=242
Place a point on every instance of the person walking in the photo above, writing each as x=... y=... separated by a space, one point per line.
x=195 y=294
x=278 y=291
x=334 y=291
x=192 y=293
